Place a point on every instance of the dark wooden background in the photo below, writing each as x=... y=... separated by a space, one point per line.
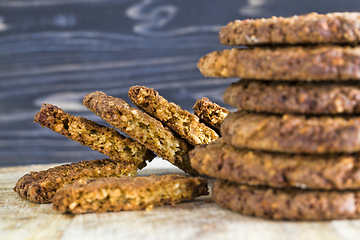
x=57 y=51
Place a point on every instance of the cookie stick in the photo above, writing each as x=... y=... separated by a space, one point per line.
x=41 y=186
x=210 y=113
x=127 y=193
x=138 y=125
x=292 y=133
x=98 y=137
x=185 y=124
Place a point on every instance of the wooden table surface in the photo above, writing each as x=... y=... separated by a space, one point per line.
x=57 y=51
x=199 y=219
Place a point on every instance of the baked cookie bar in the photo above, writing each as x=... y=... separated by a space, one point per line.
x=221 y=160
x=210 y=113
x=300 y=63
x=41 y=186
x=294 y=97
x=127 y=193
x=291 y=133
x=98 y=137
x=182 y=122
x=140 y=126
x=313 y=28
x=293 y=204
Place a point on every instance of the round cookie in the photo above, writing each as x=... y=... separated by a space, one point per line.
x=313 y=28
x=292 y=134
x=293 y=63
x=294 y=97
x=293 y=204
x=221 y=160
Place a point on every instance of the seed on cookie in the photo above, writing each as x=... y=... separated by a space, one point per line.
x=41 y=186
x=103 y=139
x=127 y=193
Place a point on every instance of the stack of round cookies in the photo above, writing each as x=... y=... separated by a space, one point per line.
x=292 y=150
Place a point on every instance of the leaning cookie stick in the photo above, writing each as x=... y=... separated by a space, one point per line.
x=185 y=124
x=138 y=125
x=210 y=113
x=127 y=193
x=98 y=137
x=41 y=186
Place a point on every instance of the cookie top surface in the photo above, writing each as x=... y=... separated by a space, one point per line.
x=292 y=204
x=292 y=133
x=292 y=63
x=313 y=28
x=279 y=170
x=294 y=97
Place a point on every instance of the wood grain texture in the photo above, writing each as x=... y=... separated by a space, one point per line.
x=58 y=51
x=20 y=219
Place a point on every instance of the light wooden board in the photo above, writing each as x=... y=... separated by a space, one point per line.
x=20 y=219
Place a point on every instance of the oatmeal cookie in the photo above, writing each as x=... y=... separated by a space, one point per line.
x=293 y=204
x=140 y=126
x=182 y=122
x=127 y=193
x=210 y=113
x=313 y=28
x=291 y=133
x=294 y=97
x=41 y=186
x=103 y=139
x=293 y=63
x=278 y=170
